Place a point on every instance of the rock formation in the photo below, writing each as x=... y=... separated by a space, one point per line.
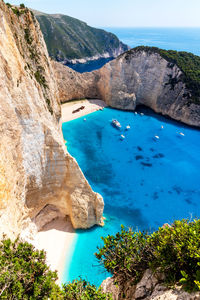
x=38 y=178
x=134 y=78
x=150 y=287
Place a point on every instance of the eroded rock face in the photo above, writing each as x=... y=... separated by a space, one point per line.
x=134 y=78
x=36 y=171
x=150 y=287
x=139 y=77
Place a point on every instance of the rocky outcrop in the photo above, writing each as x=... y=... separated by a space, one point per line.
x=150 y=287
x=137 y=77
x=73 y=85
x=140 y=77
x=38 y=178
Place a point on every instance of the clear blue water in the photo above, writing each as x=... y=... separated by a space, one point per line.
x=145 y=181
x=180 y=39
x=90 y=65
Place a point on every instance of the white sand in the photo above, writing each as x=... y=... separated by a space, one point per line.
x=90 y=106
x=56 y=239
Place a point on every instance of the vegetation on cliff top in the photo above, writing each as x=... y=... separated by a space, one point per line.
x=69 y=38
x=172 y=250
x=25 y=275
x=189 y=65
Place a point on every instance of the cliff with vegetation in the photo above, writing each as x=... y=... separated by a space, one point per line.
x=71 y=40
x=163 y=265
x=39 y=180
x=166 y=81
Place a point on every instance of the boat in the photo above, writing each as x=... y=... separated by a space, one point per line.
x=181 y=133
x=122 y=137
x=157 y=137
x=128 y=127
x=116 y=124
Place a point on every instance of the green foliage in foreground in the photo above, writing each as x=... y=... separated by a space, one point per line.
x=25 y=275
x=173 y=250
x=187 y=62
x=82 y=290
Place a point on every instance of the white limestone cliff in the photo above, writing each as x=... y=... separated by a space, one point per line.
x=38 y=178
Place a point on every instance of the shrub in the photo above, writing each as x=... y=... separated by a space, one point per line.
x=173 y=250
x=82 y=290
x=22 y=6
x=40 y=78
x=24 y=273
x=27 y=36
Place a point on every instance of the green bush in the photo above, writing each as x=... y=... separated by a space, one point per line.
x=22 y=6
x=82 y=290
x=24 y=273
x=173 y=250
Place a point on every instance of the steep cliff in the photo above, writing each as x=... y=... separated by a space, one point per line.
x=140 y=76
x=39 y=180
x=71 y=40
x=150 y=287
x=144 y=76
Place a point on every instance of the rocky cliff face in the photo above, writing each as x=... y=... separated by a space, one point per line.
x=150 y=287
x=38 y=178
x=135 y=77
x=140 y=77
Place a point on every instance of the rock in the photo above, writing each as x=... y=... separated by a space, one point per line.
x=108 y=286
x=39 y=180
x=133 y=78
x=150 y=287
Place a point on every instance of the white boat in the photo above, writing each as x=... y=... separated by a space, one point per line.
x=116 y=124
x=157 y=137
x=128 y=127
x=135 y=112
x=122 y=137
x=141 y=114
x=181 y=133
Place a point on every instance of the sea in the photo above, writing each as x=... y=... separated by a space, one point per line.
x=145 y=181
x=180 y=39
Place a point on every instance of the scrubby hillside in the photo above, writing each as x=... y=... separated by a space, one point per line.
x=70 y=39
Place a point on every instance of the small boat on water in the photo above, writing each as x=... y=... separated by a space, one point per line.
x=116 y=124
x=128 y=127
x=122 y=137
x=157 y=137
x=181 y=133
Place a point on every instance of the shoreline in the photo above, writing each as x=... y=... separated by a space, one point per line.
x=56 y=239
x=85 y=107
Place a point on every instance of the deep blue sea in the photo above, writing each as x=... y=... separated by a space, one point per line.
x=145 y=181
x=180 y=39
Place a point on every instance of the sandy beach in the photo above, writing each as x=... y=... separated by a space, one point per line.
x=56 y=239
x=72 y=110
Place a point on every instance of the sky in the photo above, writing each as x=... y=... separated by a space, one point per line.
x=124 y=13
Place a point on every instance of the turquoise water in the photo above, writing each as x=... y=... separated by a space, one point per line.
x=145 y=181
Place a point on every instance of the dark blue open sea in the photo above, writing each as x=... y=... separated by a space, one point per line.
x=145 y=181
